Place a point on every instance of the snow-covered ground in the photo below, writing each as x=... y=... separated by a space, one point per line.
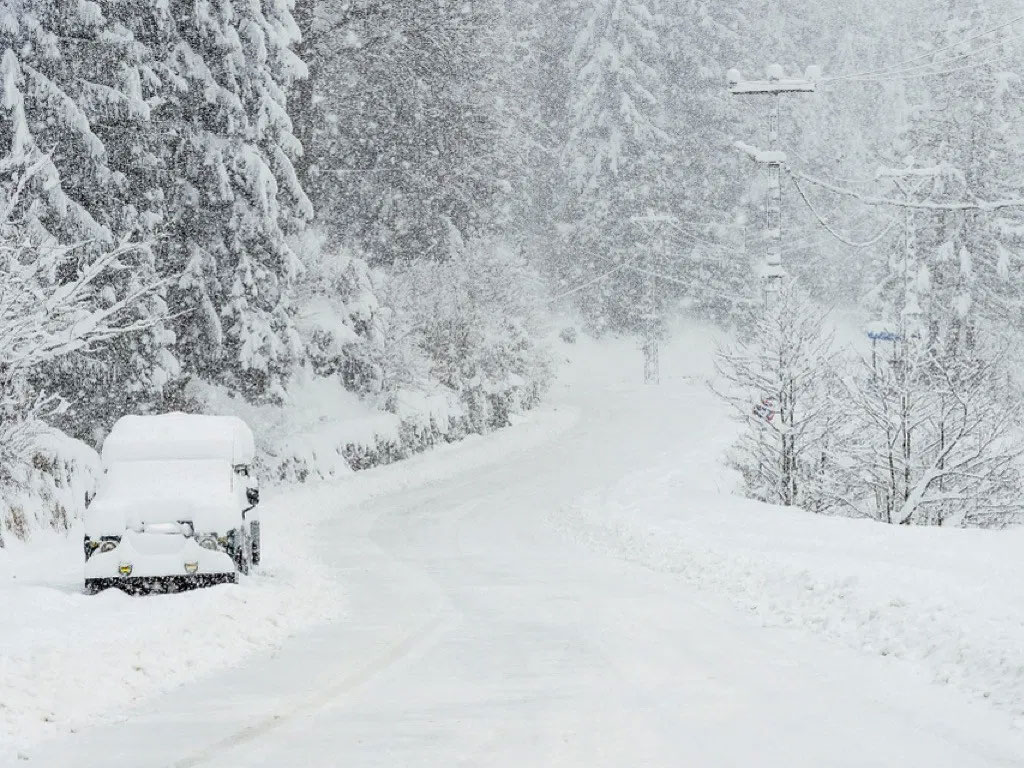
x=581 y=589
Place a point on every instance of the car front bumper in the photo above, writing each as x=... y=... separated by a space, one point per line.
x=142 y=563
x=148 y=585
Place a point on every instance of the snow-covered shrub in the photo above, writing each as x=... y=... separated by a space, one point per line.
x=44 y=476
x=340 y=316
x=317 y=432
x=476 y=323
x=396 y=364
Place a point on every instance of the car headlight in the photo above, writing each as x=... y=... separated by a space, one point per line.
x=108 y=546
x=208 y=541
x=191 y=568
x=125 y=569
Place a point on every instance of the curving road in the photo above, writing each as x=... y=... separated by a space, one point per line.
x=475 y=634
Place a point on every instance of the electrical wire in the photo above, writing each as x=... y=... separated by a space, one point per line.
x=898 y=65
x=920 y=75
x=688 y=284
x=589 y=283
x=927 y=205
x=831 y=230
x=922 y=69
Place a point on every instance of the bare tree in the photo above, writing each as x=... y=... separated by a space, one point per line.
x=780 y=382
x=936 y=439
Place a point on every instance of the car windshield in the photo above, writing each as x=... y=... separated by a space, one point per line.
x=200 y=479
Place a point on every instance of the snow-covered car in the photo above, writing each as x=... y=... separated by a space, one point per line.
x=176 y=506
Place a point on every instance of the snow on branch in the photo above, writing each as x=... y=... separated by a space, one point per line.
x=760 y=155
x=41 y=319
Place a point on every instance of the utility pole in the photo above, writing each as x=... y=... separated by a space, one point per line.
x=652 y=372
x=910 y=317
x=650 y=317
x=774 y=86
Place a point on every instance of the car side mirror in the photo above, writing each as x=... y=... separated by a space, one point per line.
x=252 y=495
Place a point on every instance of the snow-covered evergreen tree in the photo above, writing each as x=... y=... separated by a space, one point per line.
x=615 y=155
x=232 y=194
x=409 y=139
x=966 y=131
x=76 y=100
x=478 y=320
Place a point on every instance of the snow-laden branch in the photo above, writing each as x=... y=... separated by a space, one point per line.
x=40 y=319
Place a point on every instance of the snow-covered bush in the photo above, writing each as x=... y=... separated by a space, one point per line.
x=44 y=476
x=340 y=316
x=319 y=431
x=398 y=363
x=476 y=323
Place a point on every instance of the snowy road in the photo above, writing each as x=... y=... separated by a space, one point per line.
x=476 y=633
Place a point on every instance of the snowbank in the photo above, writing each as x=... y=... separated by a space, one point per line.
x=323 y=431
x=949 y=601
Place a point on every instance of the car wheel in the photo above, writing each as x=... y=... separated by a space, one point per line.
x=241 y=551
x=255 y=528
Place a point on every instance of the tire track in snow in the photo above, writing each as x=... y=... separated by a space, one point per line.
x=323 y=697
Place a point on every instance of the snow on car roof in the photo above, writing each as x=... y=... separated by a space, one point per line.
x=179 y=436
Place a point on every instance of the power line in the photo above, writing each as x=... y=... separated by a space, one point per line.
x=926 y=205
x=831 y=230
x=919 y=75
x=688 y=284
x=921 y=69
x=589 y=283
x=904 y=63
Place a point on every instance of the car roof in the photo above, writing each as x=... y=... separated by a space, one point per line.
x=173 y=436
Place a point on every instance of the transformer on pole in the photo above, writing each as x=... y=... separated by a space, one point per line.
x=774 y=86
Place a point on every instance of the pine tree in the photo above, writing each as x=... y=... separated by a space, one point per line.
x=965 y=128
x=410 y=140
x=232 y=194
x=74 y=92
x=614 y=156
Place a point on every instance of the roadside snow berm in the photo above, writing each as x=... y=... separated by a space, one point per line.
x=176 y=507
